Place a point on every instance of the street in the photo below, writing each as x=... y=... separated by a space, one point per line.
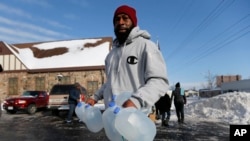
x=42 y=126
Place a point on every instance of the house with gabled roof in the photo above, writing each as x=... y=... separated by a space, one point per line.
x=40 y=65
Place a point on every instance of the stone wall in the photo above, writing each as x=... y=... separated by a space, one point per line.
x=26 y=81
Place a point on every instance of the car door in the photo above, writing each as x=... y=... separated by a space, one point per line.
x=42 y=100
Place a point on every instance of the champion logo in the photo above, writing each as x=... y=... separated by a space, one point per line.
x=132 y=60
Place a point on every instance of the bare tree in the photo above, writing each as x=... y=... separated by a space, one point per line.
x=210 y=78
x=193 y=88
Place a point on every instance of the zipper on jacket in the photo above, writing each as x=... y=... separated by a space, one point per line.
x=121 y=56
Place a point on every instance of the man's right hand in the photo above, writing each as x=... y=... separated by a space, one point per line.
x=91 y=101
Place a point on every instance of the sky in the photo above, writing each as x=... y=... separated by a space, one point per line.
x=196 y=37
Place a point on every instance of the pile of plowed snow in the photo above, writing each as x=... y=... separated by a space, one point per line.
x=233 y=108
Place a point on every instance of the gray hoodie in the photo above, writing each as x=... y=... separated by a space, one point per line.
x=136 y=67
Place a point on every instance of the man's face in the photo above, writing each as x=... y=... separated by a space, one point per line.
x=122 y=24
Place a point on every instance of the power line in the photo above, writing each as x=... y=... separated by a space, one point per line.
x=220 y=45
x=222 y=34
x=226 y=43
x=208 y=20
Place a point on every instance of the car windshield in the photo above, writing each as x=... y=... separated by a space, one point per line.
x=30 y=93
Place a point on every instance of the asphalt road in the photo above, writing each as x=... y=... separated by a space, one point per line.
x=43 y=126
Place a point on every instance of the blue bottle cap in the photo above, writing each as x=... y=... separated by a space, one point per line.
x=79 y=104
x=113 y=97
x=87 y=106
x=111 y=104
x=117 y=109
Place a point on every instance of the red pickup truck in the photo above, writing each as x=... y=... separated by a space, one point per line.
x=29 y=101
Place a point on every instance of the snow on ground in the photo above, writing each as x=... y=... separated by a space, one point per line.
x=232 y=108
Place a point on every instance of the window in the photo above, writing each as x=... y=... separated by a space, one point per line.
x=40 y=83
x=92 y=87
x=13 y=86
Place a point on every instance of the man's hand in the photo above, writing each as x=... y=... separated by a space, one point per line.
x=91 y=101
x=129 y=103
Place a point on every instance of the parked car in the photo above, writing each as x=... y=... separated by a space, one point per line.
x=29 y=101
x=58 y=98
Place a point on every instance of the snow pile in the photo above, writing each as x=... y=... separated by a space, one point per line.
x=233 y=108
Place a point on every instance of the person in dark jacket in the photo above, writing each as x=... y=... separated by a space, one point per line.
x=163 y=106
x=179 y=101
x=74 y=98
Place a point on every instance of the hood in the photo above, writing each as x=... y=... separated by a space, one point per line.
x=135 y=33
x=21 y=98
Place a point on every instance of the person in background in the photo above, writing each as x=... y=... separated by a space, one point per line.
x=179 y=101
x=164 y=106
x=74 y=98
x=134 y=65
x=157 y=111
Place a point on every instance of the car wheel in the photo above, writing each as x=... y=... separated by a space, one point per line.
x=31 y=109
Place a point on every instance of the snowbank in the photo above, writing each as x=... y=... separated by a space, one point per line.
x=233 y=108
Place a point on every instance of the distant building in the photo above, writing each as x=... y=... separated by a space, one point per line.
x=191 y=93
x=241 y=85
x=226 y=83
x=40 y=65
x=226 y=78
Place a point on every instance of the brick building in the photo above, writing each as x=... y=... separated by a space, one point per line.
x=40 y=65
x=226 y=78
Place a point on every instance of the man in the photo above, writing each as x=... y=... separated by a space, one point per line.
x=179 y=101
x=163 y=106
x=134 y=64
x=74 y=98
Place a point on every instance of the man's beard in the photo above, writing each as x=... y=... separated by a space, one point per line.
x=122 y=36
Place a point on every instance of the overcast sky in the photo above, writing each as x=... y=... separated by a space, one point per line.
x=195 y=36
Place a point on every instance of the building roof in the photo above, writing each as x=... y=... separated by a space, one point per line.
x=62 y=54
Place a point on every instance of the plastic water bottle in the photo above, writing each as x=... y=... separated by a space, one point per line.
x=79 y=110
x=121 y=98
x=108 y=118
x=93 y=118
x=134 y=125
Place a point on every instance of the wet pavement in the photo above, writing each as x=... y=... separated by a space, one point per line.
x=43 y=126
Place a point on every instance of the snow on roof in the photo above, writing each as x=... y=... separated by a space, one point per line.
x=60 y=54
